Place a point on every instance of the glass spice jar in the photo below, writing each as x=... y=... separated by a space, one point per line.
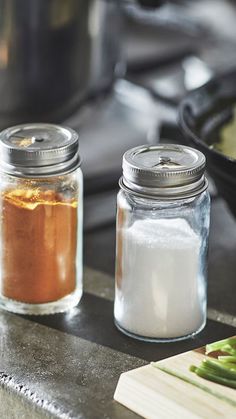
x=41 y=219
x=161 y=248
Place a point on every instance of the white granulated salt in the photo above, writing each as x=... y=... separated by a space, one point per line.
x=161 y=294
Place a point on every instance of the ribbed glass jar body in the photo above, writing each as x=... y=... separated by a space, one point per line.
x=41 y=243
x=161 y=266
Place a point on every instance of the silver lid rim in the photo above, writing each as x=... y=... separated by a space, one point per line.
x=141 y=177
x=164 y=194
x=45 y=172
x=61 y=157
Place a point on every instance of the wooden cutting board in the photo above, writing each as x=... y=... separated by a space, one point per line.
x=157 y=394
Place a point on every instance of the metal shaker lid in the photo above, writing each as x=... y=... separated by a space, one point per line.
x=167 y=170
x=35 y=150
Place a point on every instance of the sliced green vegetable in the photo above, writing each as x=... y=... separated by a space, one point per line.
x=219 y=368
x=204 y=373
x=229 y=365
x=218 y=346
x=223 y=369
x=229 y=349
x=227 y=358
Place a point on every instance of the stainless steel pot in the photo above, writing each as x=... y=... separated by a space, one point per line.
x=54 y=53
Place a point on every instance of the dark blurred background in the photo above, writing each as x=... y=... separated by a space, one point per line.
x=115 y=71
x=168 y=52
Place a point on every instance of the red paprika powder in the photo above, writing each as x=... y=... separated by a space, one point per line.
x=39 y=235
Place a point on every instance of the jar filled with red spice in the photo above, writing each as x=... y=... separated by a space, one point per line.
x=41 y=219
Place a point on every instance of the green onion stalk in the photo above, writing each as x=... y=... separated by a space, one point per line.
x=223 y=369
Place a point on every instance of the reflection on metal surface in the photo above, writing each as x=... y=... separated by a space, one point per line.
x=62 y=12
x=6 y=30
x=51 y=60
x=196 y=74
x=23 y=142
x=4 y=54
x=94 y=24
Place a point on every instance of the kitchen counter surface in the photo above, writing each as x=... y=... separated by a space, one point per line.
x=67 y=365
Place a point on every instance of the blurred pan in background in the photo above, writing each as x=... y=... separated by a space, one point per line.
x=208 y=119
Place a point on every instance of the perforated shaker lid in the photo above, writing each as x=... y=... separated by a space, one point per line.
x=35 y=150
x=166 y=170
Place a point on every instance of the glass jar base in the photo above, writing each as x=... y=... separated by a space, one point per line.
x=158 y=340
x=59 y=306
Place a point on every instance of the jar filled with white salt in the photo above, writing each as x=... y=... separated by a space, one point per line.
x=162 y=237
